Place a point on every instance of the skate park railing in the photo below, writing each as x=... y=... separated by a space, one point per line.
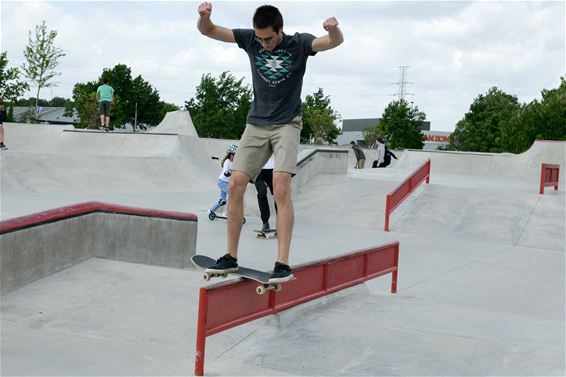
x=226 y=305
x=549 y=174
x=402 y=192
x=41 y=244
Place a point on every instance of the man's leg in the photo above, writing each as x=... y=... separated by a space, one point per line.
x=102 y=120
x=285 y=214
x=236 y=191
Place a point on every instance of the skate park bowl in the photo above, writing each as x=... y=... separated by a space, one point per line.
x=480 y=289
x=36 y=246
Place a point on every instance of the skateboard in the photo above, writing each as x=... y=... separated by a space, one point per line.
x=203 y=262
x=267 y=234
x=213 y=216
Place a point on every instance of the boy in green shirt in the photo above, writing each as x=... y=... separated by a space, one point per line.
x=105 y=97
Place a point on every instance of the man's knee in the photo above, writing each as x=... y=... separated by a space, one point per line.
x=282 y=188
x=238 y=183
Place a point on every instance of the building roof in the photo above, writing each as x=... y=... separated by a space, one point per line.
x=53 y=115
x=360 y=124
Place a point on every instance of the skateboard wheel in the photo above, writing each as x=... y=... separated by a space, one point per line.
x=224 y=275
x=211 y=216
x=260 y=290
x=278 y=287
x=206 y=277
x=244 y=220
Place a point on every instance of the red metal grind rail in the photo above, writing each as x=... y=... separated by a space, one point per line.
x=226 y=305
x=397 y=196
x=549 y=176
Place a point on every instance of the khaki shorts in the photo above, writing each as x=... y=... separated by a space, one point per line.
x=259 y=142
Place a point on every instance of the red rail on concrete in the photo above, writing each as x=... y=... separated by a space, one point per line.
x=227 y=305
x=85 y=208
x=397 y=196
x=549 y=176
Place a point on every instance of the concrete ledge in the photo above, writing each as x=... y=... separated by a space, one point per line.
x=312 y=162
x=38 y=245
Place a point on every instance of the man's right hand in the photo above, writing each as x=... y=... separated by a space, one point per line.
x=205 y=10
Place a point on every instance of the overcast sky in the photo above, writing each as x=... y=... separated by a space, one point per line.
x=455 y=50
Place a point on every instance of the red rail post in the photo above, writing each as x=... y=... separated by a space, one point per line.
x=394 y=274
x=541 y=190
x=387 y=212
x=201 y=332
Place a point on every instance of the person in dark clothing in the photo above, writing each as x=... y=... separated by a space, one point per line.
x=262 y=182
x=387 y=158
x=3 y=118
x=360 y=156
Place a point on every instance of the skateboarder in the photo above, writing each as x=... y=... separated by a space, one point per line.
x=264 y=181
x=379 y=153
x=3 y=118
x=360 y=155
x=224 y=179
x=278 y=64
x=105 y=97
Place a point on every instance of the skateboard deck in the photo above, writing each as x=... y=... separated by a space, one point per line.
x=213 y=216
x=203 y=262
x=267 y=234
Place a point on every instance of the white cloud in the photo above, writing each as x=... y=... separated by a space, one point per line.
x=455 y=50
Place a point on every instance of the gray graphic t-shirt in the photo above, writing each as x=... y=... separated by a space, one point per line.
x=277 y=76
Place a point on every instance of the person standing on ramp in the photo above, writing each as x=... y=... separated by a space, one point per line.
x=278 y=63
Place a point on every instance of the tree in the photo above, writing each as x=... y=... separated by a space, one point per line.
x=401 y=125
x=131 y=95
x=318 y=119
x=481 y=128
x=370 y=133
x=220 y=106
x=544 y=120
x=86 y=105
x=42 y=58
x=10 y=85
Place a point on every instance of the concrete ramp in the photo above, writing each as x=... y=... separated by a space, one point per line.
x=176 y=122
x=509 y=217
x=44 y=158
x=525 y=165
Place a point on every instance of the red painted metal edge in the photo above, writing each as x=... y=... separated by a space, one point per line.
x=408 y=185
x=81 y=209
x=201 y=332
x=315 y=279
x=549 y=174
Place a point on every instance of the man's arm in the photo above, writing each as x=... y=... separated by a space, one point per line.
x=206 y=27
x=333 y=39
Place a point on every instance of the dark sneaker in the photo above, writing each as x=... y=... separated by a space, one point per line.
x=3 y=146
x=265 y=227
x=224 y=264
x=281 y=273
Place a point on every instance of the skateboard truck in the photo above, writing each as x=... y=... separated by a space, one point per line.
x=261 y=289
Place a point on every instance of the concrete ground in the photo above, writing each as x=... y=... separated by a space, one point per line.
x=481 y=287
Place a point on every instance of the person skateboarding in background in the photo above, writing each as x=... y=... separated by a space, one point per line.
x=379 y=153
x=263 y=181
x=360 y=155
x=3 y=118
x=278 y=63
x=224 y=179
x=387 y=157
x=105 y=97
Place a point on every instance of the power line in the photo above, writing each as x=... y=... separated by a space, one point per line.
x=402 y=83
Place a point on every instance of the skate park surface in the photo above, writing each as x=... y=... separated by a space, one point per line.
x=481 y=270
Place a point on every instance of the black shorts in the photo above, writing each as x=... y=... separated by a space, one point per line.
x=104 y=107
